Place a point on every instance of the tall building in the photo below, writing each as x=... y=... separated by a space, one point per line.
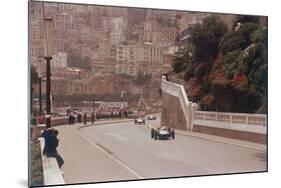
x=59 y=60
x=117 y=30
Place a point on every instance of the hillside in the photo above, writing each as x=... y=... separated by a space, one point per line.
x=226 y=70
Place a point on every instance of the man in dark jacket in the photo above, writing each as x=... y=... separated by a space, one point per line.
x=51 y=144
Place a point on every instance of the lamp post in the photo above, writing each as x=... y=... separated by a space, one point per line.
x=40 y=76
x=48 y=26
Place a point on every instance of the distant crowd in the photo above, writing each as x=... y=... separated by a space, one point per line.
x=74 y=115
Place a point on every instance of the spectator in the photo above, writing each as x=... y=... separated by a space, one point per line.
x=69 y=119
x=92 y=117
x=41 y=119
x=51 y=144
x=46 y=134
x=85 y=118
x=79 y=117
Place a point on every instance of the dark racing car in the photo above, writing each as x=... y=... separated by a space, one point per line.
x=162 y=132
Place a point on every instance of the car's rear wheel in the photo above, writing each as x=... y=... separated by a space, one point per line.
x=173 y=134
x=152 y=133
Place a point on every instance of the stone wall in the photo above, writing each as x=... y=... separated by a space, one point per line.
x=172 y=114
x=236 y=134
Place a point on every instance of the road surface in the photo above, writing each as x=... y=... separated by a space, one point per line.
x=124 y=151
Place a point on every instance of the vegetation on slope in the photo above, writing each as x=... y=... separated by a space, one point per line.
x=226 y=70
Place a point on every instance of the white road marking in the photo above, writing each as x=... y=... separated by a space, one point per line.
x=113 y=158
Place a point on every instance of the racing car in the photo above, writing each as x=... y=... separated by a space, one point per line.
x=151 y=117
x=140 y=121
x=162 y=132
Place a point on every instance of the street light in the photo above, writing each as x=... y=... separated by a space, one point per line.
x=48 y=33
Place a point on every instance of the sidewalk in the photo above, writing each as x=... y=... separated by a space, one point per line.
x=241 y=143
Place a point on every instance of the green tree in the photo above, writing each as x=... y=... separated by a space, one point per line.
x=232 y=41
x=246 y=71
x=246 y=30
x=206 y=37
x=182 y=59
x=248 y=19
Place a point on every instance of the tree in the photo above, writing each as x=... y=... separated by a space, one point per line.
x=246 y=30
x=206 y=37
x=232 y=41
x=245 y=69
x=182 y=59
x=248 y=19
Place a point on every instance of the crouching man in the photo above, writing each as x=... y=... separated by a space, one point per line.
x=51 y=144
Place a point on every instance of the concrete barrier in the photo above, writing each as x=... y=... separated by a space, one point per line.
x=51 y=171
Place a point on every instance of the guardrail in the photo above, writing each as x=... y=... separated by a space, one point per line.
x=235 y=118
x=51 y=171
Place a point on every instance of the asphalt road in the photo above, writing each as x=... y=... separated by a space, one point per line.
x=121 y=151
